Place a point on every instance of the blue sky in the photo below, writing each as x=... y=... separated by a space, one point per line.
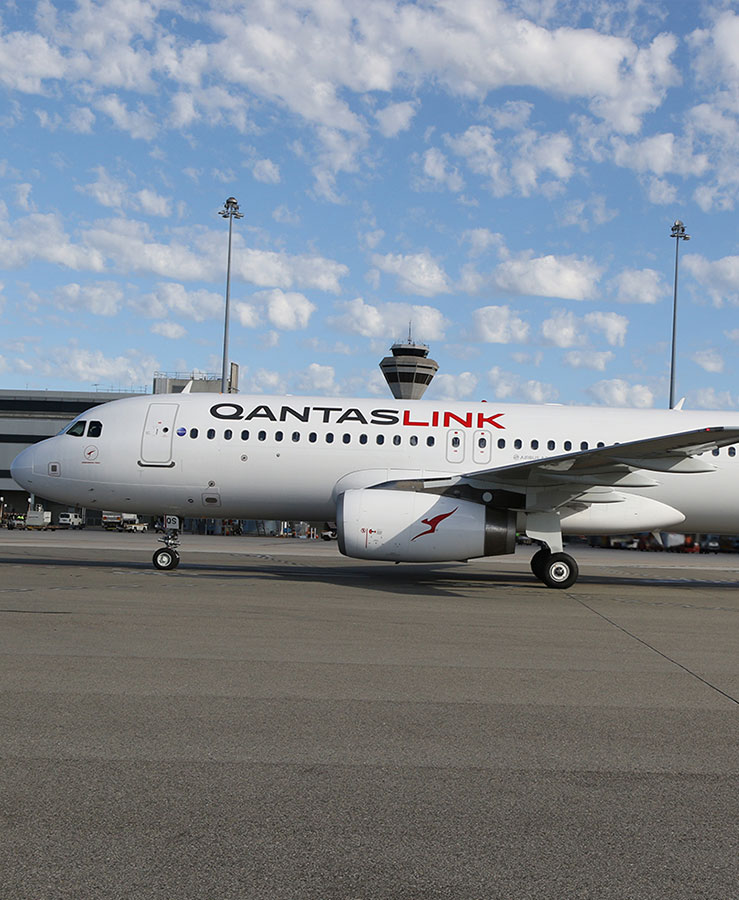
x=502 y=174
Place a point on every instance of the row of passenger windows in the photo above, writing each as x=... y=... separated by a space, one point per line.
x=297 y=436
x=329 y=438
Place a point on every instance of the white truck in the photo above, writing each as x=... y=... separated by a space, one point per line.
x=70 y=520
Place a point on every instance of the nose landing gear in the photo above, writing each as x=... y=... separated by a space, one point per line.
x=167 y=557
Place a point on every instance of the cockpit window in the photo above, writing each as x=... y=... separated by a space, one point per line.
x=77 y=429
x=95 y=429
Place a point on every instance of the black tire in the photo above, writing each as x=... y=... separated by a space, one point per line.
x=560 y=571
x=166 y=559
x=539 y=561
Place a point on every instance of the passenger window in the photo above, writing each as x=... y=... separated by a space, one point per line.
x=278 y=435
x=296 y=436
x=194 y=432
x=518 y=443
x=396 y=439
x=482 y=443
x=414 y=440
x=380 y=438
x=456 y=442
x=95 y=429
x=534 y=445
x=262 y=436
x=600 y=444
x=715 y=451
x=312 y=437
x=346 y=438
x=228 y=434
x=583 y=445
x=551 y=445
x=329 y=438
x=211 y=433
x=501 y=443
x=568 y=445
x=244 y=435
x=362 y=438
x=732 y=451
x=77 y=430
x=430 y=441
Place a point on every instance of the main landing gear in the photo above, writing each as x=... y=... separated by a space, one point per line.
x=556 y=570
x=167 y=557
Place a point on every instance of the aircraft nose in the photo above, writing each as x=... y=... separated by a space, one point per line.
x=21 y=469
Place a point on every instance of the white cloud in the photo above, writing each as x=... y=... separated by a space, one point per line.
x=617 y=392
x=141 y=123
x=482 y=239
x=719 y=278
x=172 y=330
x=499 y=325
x=41 y=236
x=478 y=146
x=389 y=321
x=509 y=386
x=103 y=298
x=453 y=387
x=264 y=381
x=129 y=369
x=611 y=325
x=709 y=359
x=588 y=359
x=710 y=398
x=286 y=311
x=266 y=171
x=660 y=154
x=639 y=286
x=395 y=118
x=436 y=172
x=418 y=273
x=173 y=299
x=318 y=379
x=563 y=329
x=566 y=277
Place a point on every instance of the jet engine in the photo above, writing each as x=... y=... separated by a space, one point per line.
x=411 y=526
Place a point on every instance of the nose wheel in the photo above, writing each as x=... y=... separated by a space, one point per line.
x=555 y=570
x=167 y=557
x=164 y=558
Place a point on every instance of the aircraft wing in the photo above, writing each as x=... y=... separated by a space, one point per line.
x=678 y=453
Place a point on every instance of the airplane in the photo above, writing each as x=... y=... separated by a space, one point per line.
x=418 y=481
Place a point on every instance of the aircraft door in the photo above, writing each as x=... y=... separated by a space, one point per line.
x=482 y=447
x=156 y=441
x=455 y=446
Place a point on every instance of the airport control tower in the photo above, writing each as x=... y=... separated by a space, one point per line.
x=408 y=371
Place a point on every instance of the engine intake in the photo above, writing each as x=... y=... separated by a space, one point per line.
x=410 y=526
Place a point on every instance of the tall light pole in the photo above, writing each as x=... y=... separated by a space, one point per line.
x=677 y=232
x=230 y=211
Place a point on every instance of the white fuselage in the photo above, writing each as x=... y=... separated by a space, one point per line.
x=290 y=457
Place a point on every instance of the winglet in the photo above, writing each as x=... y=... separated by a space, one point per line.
x=679 y=404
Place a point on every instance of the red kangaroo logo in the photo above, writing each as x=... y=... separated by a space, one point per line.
x=434 y=523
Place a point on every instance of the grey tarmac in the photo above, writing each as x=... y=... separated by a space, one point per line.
x=271 y=720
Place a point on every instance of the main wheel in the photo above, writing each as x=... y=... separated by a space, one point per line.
x=166 y=559
x=560 y=571
x=539 y=561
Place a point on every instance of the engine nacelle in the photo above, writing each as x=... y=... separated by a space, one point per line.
x=410 y=526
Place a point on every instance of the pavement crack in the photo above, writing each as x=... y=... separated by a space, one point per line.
x=656 y=650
